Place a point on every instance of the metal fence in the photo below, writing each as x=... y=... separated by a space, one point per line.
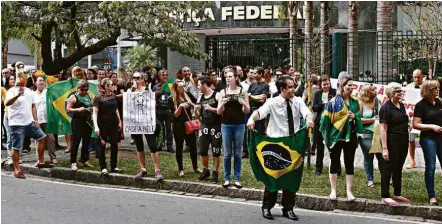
x=379 y=54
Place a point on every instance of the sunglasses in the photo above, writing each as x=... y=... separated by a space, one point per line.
x=398 y=91
x=136 y=78
x=435 y=88
x=84 y=89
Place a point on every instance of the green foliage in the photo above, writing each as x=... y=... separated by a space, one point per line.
x=92 y=26
x=140 y=56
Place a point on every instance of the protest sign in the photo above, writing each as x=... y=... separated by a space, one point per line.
x=139 y=112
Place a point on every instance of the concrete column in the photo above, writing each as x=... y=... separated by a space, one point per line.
x=89 y=61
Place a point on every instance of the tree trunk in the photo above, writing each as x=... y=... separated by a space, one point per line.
x=308 y=13
x=325 y=46
x=352 y=43
x=293 y=17
x=384 y=41
x=5 y=53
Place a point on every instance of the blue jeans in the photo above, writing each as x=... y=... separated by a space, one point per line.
x=233 y=136
x=431 y=147
x=365 y=143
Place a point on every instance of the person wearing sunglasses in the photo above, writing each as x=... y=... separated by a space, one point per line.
x=180 y=105
x=150 y=138
x=80 y=105
x=162 y=109
x=428 y=119
x=393 y=120
x=107 y=123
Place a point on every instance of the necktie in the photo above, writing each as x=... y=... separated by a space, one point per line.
x=290 y=118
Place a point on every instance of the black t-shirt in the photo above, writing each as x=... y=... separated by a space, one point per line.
x=220 y=85
x=162 y=105
x=107 y=108
x=183 y=117
x=397 y=119
x=258 y=89
x=430 y=114
x=208 y=117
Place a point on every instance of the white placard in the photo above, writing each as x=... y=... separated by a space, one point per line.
x=139 y=112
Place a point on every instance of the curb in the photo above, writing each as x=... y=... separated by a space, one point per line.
x=305 y=201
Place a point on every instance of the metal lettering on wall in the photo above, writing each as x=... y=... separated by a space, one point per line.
x=236 y=13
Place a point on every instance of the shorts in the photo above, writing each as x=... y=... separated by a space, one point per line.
x=210 y=135
x=18 y=134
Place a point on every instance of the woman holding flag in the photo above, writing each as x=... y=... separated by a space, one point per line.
x=80 y=105
x=340 y=124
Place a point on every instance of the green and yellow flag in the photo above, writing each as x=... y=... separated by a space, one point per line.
x=167 y=87
x=59 y=121
x=278 y=162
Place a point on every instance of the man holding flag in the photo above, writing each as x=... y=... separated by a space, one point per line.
x=277 y=160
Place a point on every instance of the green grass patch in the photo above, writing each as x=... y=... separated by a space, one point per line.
x=413 y=183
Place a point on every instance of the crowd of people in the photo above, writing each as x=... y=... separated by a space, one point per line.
x=272 y=102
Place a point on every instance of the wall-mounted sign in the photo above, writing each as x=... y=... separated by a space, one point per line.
x=249 y=12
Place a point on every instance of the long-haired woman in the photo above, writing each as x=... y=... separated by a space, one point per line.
x=428 y=119
x=340 y=123
x=369 y=107
x=233 y=105
x=180 y=105
x=107 y=123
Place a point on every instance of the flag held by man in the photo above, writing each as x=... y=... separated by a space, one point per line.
x=278 y=162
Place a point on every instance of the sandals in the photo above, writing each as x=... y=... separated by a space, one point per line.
x=44 y=165
x=401 y=199
x=390 y=202
x=19 y=175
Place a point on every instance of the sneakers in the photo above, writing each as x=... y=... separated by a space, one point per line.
x=226 y=184
x=104 y=172
x=237 y=184
x=214 y=177
x=132 y=142
x=74 y=167
x=141 y=174
x=158 y=175
x=204 y=175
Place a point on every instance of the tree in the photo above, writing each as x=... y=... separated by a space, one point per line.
x=352 y=44
x=290 y=10
x=308 y=13
x=384 y=37
x=92 y=26
x=425 y=19
x=325 y=46
x=140 y=56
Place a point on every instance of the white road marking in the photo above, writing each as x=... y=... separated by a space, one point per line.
x=368 y=216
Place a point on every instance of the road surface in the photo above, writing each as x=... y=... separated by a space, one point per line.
x=33 y=201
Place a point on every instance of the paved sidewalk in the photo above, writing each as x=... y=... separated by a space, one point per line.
x=359 y=158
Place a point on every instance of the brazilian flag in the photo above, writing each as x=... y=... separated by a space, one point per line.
x=167 y=87
x=278 y=162
x=57 y=94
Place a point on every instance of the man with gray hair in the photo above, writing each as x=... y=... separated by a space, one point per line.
x=418 y=78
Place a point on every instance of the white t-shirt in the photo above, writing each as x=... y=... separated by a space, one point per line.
x=40 y=103
x=246 y=84
x=273 y=88
x=20 y=112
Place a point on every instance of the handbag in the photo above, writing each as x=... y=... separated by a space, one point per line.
x=376 y=146
x=191 y=126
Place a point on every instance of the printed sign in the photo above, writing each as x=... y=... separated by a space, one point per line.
x=139 y=112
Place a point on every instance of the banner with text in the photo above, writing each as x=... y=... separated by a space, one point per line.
x=410 y=96
x=139 y=112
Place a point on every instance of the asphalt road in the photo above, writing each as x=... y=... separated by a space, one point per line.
x=44 y=201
